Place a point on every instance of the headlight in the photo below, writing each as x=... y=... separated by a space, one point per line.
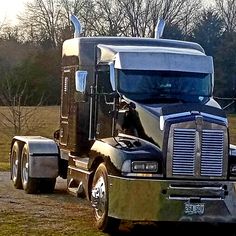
x=145 y=166
x=126 y=167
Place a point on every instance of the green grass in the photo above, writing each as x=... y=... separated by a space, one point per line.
x=43 y=122
x=24 y=223
x=4 y=166
x=232 y=128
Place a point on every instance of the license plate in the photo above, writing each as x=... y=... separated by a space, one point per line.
x=194 y=208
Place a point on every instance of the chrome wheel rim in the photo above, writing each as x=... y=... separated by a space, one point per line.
x=15 y=163
x=99 y=198
x=25 y=168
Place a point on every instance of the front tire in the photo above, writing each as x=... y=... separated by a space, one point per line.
x=30 y=185
x=100 y=201
x=15 y=162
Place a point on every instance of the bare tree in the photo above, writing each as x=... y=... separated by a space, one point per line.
x=227 y=11
x=18 y=119
x=42 y=20
x=50 y=19
x=84 y=10
x=2 y=24
x=10 y=33
x=189 y=14
x=175 y=12
x=103 y=17
x=109 y=17
x=143 y=15
x=137 y=16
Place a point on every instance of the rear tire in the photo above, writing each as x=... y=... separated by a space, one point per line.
x=30 y=185
x=15 y=163
x=47 y=185
x=100 y=201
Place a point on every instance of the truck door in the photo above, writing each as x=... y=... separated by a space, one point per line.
x=105 y=103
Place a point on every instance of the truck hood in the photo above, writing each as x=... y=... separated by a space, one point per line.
x=182 y=108
x=154 y=117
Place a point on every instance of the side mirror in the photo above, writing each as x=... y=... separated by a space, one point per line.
x=112 y=76
x=80 y=80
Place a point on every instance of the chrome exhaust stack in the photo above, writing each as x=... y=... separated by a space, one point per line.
x=77 y=26
x=159 y=29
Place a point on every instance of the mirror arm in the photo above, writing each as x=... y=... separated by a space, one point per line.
x=113 y=94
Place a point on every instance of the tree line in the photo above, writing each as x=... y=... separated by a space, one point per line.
x=31 y=50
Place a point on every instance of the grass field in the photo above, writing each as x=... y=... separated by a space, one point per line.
x=45 y=121
x=232 y=128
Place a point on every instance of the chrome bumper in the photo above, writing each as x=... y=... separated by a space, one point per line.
x=166 y=200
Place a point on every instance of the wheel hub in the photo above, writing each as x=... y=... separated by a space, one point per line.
x=98 y=198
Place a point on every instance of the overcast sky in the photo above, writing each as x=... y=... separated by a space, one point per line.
x=10 y=8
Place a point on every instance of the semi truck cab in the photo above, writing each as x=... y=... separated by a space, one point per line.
x=140 y=135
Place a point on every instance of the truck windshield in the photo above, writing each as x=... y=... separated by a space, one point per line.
x=166 y=86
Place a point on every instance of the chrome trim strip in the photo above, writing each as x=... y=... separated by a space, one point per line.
x=189 y=198
x=177 y=115
x=215 y=117
x=196 y=188
x=144 y=175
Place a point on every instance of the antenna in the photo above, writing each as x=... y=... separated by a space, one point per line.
x=77 y=26
x=159 y=28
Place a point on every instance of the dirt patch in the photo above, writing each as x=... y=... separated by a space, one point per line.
x=63 y=214
x=43 y=214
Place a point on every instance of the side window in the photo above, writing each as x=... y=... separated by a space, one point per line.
x=103 y=83
x=103 y=79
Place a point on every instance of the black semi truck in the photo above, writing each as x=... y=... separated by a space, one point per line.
x=140 y=135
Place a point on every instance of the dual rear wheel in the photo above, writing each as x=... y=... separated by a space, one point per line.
x=20 y=170
x=16 y=165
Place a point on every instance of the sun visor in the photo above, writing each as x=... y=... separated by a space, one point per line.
x=155 y=58
x=162 y=61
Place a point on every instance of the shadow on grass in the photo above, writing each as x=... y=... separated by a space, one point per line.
x=183 y=229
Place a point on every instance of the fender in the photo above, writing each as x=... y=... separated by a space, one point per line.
x=43 y=156
x=125 y=147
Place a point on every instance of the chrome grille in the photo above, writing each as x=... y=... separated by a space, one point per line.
x=198 y=154
x=212 y=152
x=183 y=152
